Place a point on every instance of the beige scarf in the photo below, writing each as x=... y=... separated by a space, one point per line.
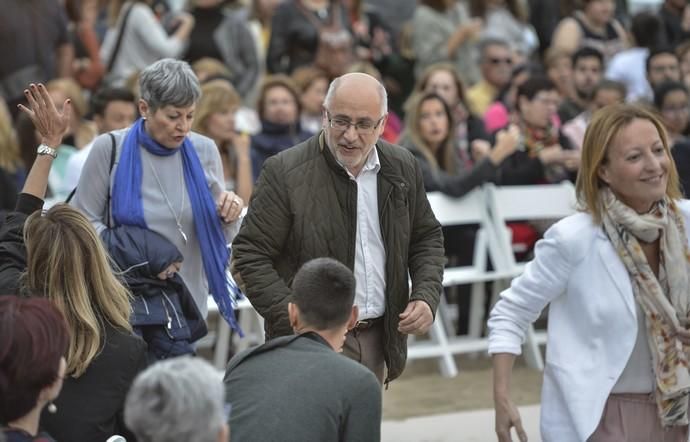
x=665 y=304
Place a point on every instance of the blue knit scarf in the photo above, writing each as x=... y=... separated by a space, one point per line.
x=128 y=209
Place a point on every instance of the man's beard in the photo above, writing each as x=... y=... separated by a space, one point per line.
x=583 y=95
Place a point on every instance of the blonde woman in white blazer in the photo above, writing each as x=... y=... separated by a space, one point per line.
x=615 y=277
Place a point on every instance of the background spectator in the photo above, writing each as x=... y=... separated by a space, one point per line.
x=467 y=130
x=506 y=20
x=295 y=37
x=215 y=118
x=503 y=110
x=683 y=53
x=279 y=110
x=662 y=65
x=144 y=39
x=373 y=41
x=628 y=66
x=588 y=69
x=79 y=134
x=111 y=109
x=606 y=93
x=224 y=36
x=671 y=100
x=260 y=18
x=558 y=67
x=12 y=171
x=312 y=83
x=429 y=135
x=88 y=69
x=594 y=26
x=544 y=155
x=495 y=64
x=442 y=31
x=675 y=16
x=35 y=45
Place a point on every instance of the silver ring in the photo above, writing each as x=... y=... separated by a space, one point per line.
x=235 y=201
x=169 y=273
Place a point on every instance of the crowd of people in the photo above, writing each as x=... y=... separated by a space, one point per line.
x=154 y=153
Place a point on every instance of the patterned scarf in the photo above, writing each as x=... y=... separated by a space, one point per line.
x=535 y=140
x=665 y=301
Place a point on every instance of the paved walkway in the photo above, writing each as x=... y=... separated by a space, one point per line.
x=469 y=426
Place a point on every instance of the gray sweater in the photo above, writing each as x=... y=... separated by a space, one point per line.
x=430 y=33
x=95 y=181
x=296 y=388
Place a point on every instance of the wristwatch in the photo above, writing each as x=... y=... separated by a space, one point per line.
x=46 y=150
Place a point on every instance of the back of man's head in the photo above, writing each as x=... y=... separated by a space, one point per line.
x=323 y=291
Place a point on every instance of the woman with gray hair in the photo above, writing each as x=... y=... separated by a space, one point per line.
x=178 y=399
x=160 y=176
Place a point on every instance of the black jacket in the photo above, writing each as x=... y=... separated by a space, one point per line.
x=90 y=407
x=164 y=312
x=12 y=249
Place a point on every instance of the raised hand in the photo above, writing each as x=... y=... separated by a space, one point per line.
x=49 y=122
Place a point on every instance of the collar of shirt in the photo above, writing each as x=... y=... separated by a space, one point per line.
x=371 y=165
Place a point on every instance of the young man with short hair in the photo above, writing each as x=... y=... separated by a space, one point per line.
x=299 y=387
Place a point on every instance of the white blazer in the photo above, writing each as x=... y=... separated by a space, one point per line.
x=592 y=322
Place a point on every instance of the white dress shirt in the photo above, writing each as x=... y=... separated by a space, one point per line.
x=370 y=253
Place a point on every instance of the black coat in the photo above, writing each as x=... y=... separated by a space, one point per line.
x=164 y=312
x=12 y=249
x=90 y=408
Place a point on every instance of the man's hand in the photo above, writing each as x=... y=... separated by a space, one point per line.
x=229 y=206
x=49 y=122
x=416 y=319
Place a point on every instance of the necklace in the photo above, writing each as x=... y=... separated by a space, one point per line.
x=167 y=201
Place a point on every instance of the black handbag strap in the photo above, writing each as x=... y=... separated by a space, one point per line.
x=118 y=43
x=110 y=169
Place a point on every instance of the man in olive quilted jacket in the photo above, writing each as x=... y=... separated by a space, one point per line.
x=347 y=195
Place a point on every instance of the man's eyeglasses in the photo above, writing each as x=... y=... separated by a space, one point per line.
x=363 y=127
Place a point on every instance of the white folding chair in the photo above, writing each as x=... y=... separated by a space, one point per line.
x=468 y=210
x=250 y=321
x=527 y=203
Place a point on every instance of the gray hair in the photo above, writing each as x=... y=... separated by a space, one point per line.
x=169 y=82
x=177 y=399
x=335 y=84
x=487 y=42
